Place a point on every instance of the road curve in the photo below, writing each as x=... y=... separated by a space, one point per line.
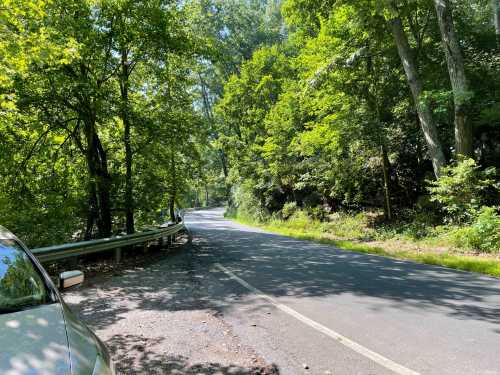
x=314 y=309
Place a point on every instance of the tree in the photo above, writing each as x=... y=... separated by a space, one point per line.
x=95 y=99
x=495 y=5
x=392 y=11
x=143 y=32
x=71 y=97
x=25 y=40
x=424 y=111
x=461 y=92
x=230 y=32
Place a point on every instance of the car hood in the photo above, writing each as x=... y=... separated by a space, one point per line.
x=83 y=344
x=34 y=341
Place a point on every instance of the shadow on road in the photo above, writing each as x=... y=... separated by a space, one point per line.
x=282 y=266
x=188 y=282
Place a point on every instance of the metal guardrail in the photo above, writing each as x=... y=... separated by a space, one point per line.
x=70 y=250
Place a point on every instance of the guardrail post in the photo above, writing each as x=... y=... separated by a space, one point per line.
x=118 y=255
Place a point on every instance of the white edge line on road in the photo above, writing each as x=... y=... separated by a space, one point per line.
x=358 y=348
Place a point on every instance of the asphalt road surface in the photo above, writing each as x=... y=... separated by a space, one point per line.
x=244 y=301
x=304 y=304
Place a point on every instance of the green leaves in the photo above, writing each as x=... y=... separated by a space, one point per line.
x=26 y=40
x=463 y=189
x=61 y=85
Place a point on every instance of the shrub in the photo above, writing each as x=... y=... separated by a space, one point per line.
x=300 y=220
x=246 y=204
x=412 y=224
x=288 y=210
x=482 y=235
x=316 y=212
x=462 y=190
x=348 y=226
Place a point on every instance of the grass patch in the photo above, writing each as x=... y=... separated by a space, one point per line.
x=303 y=229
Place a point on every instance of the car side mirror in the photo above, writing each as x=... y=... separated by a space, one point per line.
x=69 y=279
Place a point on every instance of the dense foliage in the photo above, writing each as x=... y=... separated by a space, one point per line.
x=367 y=106
x=99 y=130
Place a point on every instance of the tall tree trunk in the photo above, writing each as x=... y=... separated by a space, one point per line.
x=92 y=211
x=171 y=209
x=223 y=162
x=125 y=116
x=103 y=190
x=207 y=105
x=374 y=105
x=495 y=4
x=427 y=123
x=99 y=178
x=461 y=92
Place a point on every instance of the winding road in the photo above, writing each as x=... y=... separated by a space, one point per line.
x=301 y=307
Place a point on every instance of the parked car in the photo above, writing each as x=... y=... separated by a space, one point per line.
x=38 y=333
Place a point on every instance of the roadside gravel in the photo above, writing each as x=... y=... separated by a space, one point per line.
x=157 y=318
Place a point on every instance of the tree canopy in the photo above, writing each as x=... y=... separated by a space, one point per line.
x=115 y=112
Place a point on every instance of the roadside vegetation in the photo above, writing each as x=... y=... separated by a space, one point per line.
x=374 y=127
x=460 y=232
x=351 y=233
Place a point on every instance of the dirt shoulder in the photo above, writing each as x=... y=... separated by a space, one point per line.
x=155 y=319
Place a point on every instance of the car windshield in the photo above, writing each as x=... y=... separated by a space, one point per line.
x=21 y=285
